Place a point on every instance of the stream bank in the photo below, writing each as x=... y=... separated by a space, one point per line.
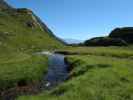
x=57 y=73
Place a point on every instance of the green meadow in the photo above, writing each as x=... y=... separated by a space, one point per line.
x=97 y=73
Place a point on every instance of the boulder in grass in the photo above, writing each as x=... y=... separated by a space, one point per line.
x=30 y=24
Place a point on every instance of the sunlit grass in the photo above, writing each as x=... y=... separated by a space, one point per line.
x=29 y=68
x=121 y=52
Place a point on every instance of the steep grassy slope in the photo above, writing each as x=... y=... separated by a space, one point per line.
x=95 y=77
x=20 y=29
x=22 y=34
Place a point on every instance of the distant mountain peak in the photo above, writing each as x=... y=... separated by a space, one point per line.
x=72 y=41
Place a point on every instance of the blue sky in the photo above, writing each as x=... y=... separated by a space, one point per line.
x=81 y=19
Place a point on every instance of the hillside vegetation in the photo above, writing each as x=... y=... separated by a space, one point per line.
x=117 y=37
x=21 y=35
x=125 y=33
x=21 y=30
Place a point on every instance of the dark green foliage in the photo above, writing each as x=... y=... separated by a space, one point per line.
x=118 y=37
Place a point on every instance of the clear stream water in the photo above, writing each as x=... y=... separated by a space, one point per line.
x=57 y=69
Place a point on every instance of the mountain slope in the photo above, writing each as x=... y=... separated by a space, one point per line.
x=21 y=34
x=125 y=33
x=21 y=29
